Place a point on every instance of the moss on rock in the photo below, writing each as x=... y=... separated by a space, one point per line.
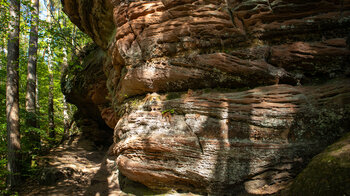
x=327 y=174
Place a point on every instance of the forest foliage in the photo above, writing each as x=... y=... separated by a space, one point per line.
x=55 y=37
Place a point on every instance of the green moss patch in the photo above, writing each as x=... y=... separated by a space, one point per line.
x=327 y=174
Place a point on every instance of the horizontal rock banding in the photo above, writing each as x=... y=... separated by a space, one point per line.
x=218 y=140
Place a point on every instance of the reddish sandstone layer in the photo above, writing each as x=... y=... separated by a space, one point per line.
x=253 y=140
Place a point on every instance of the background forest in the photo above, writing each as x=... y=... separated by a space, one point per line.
x=58 y=41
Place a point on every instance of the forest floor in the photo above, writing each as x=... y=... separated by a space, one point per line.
x=77 y=168
x=71 y=169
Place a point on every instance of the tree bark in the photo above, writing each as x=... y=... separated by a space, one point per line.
x=3 y=52
x=65 y=105
x=12 y=97
x=31 y=75
x=52 y=132
x=66 y=124
x=37 y=101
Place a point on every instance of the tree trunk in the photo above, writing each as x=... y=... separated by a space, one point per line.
x=2 y=62
x=65 y=105
x=66 y=124
x=12 y=97
x=37 y=101
x=52 y=133
x=31 y=76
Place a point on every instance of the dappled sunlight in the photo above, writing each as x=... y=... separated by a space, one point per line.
x=218 y=139
x=70 y=169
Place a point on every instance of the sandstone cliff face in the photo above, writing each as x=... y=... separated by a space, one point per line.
x=214 y=96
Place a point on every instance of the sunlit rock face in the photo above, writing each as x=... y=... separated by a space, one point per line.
x=216 y=96
x=255 y=140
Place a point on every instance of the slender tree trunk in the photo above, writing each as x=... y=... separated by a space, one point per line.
x=12 y=97
x=31 y=76
x=73 y=40
x=66 y=124
x=2 y=62
x=65 y=105
x=37 y=91
x=42 y=53
x=37 y=101
x=2 y=53
x=52 y=132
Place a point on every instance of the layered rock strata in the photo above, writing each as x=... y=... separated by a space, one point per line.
x=254 y=141
x=264 y=88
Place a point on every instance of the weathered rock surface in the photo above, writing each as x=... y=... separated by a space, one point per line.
x=255 y=140
x=264 y=88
